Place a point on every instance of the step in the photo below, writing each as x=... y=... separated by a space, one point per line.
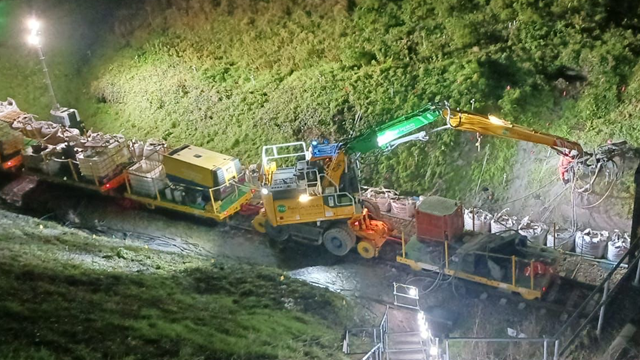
x=407 y=355
x=399 y=344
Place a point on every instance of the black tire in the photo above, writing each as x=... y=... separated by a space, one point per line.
x=374 y=209
x=277 y=233
x=339 y=239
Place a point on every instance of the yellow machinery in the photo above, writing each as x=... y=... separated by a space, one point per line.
x=491 y=125
x=574 y=161
x=314 y=194
x=198 y=181
x=297 y=204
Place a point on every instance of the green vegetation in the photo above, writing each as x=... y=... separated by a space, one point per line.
x=68 y=295
x=234 y=75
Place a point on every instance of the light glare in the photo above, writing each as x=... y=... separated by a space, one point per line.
x=304 y=198
x=264 y=191
x=497 y=121
x=33 y=24
x=433 y=351
x=33 y=40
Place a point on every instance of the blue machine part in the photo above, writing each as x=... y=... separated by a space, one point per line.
x=324 y=150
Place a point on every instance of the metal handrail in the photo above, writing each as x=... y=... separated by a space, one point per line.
x=265 y=158
x=377 y=350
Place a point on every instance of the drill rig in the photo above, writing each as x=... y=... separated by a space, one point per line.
x=313 y=194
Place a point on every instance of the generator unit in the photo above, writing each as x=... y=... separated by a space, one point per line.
x=201 y=168
x=67 y=117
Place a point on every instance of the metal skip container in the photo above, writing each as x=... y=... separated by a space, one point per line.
x=439 y=219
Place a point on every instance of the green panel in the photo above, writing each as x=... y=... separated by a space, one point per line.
x=232 y=199
x=405 y=127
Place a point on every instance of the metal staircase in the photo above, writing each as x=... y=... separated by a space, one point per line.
x=405 y=346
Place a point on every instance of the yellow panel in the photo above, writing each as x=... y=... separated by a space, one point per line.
x=197 y=165
x=294 y=211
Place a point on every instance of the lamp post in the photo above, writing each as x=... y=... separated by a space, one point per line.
x=34 y=39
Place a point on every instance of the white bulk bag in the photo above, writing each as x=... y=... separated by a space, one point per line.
x=536 y=232
x=565 y=239
x=403 y=207
x=154 y=150
x=618 y=246
x=480 y=223
x=384 y=203
x=502 y=222
x=592 y=243
x=138 y=149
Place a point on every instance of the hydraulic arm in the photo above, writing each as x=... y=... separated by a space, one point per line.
x=390 y=134
x=386 y=137
x=491 y=125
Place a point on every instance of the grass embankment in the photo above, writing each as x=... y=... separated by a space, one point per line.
x=235 y=75
x=68 y=295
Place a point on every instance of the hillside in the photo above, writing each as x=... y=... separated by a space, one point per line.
x=235 y=75
x=66 y=294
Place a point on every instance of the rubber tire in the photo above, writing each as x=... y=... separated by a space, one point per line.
x=339 y=240
x=259 y=223
x=366 y=249
x=374 y=209
x=276 y=233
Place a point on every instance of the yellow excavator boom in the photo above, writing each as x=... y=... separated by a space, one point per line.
x=491 y=125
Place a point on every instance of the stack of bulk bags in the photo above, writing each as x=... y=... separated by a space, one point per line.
x=564 y=239
x=591 y=243
x=45 y=131
x=535 y=232
x=382 y=197
x=9 y=111
x=618 y=246
x=477 y=220
x=43 y=158
x=502 y=222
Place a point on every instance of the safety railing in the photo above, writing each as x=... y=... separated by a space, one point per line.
x=375 y=338
x=406 y=296
x=374 y=354
x=270 y=152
